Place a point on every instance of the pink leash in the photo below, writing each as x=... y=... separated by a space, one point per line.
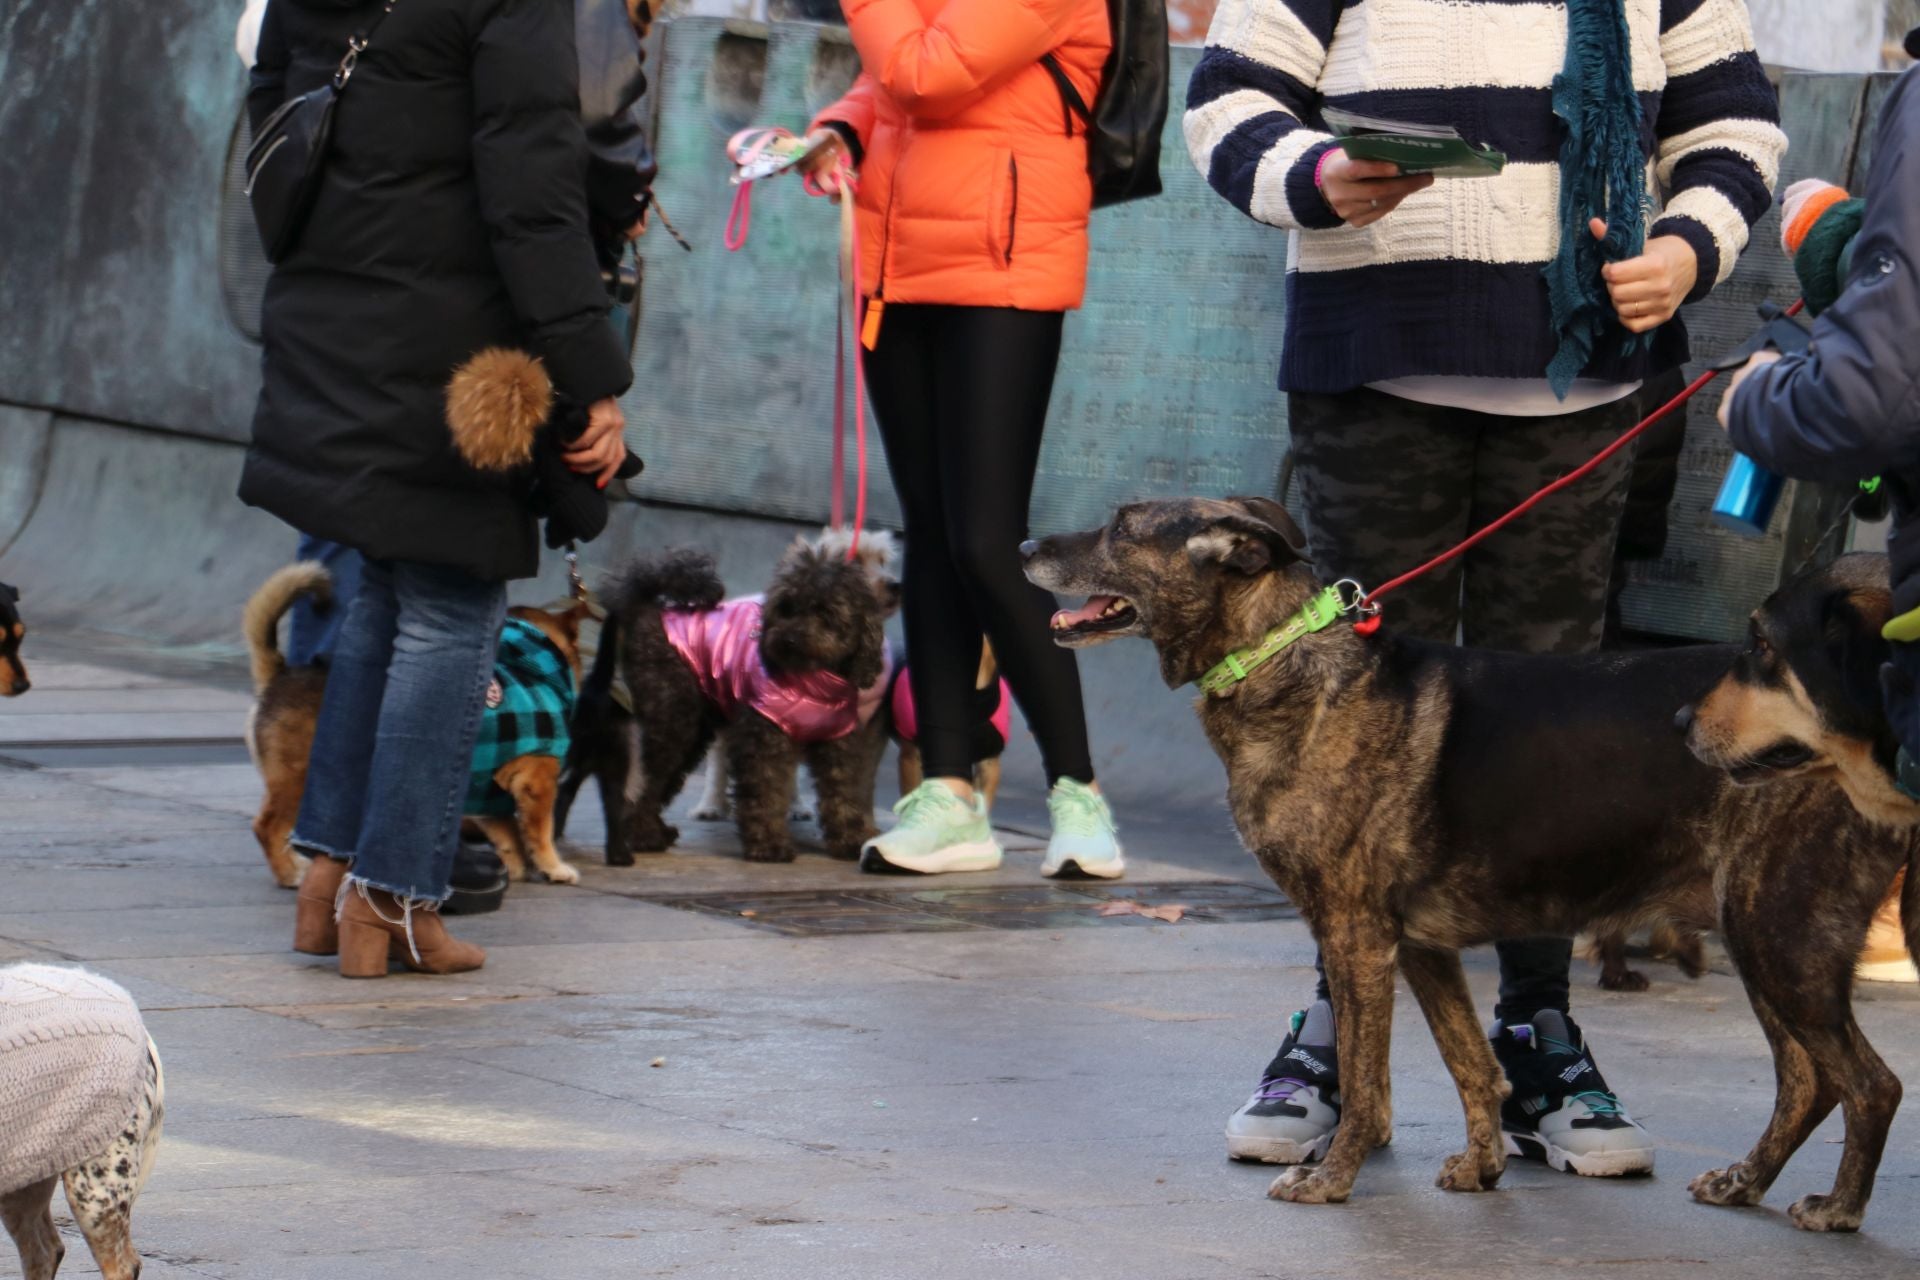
x=749 y=145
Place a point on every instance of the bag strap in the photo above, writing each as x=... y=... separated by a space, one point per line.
x=1070 y=99
x=356 y=45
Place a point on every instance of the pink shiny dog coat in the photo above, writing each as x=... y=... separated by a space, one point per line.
x=722 y=645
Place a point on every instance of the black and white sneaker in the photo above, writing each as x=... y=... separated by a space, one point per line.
x=1561 y=1110
x=1291 y=1118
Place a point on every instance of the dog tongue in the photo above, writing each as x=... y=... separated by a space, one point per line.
x=1088 y=612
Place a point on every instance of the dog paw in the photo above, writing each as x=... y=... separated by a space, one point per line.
x=656 y=837
x=847 y=847
x=563 y=873
x=769 y=853
x=1470 y=1171
x=619 y=857
x=1627 y=980
x=290 y=876
x=801 y=812
x=1733 y=1185
x=1823 y=1213
x=1303 y=1185
x=709 y=813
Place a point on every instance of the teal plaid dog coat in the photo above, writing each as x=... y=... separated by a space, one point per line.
x=529 y=706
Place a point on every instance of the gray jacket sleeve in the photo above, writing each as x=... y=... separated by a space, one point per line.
x=1850 y=406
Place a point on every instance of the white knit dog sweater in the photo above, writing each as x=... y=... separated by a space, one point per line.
x=73 y=1060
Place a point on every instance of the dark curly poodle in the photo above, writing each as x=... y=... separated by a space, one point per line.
x=822 y=614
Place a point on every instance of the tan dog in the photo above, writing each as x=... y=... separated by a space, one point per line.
x=986 y=772
x=287 y=706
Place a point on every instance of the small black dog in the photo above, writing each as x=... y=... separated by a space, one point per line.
x=13 y=672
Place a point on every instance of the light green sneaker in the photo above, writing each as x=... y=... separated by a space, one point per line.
x=1085 y=841
x=937 y=831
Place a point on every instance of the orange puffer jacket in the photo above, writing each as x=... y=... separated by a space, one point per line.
x=972 y=190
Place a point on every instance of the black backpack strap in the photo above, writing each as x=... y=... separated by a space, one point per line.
x=1070 y=99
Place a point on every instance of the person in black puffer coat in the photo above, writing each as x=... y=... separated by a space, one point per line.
x=452 y=221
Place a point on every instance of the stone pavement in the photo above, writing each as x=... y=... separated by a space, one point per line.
x=1033 y=1091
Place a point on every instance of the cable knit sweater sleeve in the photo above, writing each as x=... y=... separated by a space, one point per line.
x=1719 y=133
x=1250 y=95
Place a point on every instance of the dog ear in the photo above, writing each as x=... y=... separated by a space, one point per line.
x=1269 y=512
x=570 y=619
x=1851 y=628
x=1245 y=544
x=868 y=662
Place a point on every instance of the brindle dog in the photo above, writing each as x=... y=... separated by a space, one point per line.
x=1415 y=798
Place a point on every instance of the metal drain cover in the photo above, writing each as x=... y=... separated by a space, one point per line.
x=808 y=913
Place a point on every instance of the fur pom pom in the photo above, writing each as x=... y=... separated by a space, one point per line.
x=496 y=403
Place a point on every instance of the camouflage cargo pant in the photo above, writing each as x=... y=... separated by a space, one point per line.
x=1390 y=483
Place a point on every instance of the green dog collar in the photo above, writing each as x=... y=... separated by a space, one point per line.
x=1317 y=614
x=1905 y=628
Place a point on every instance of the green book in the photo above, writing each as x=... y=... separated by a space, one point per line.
x=1416 y=148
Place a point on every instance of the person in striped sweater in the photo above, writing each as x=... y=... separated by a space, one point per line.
x=1454 y=343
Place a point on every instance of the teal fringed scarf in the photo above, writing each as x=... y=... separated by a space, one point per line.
x=1602 y=174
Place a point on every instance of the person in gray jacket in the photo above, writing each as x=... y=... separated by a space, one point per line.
x=1849 y=406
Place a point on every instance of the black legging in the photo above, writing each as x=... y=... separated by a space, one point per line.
x=961 y=395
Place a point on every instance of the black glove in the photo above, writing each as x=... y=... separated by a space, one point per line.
x=572 y=504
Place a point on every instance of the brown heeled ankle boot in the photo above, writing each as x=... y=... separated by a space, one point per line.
x=373 y=930
x=314 y=932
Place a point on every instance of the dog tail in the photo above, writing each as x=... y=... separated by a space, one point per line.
x=261 y=621
x=680 y=579
x=598 y=686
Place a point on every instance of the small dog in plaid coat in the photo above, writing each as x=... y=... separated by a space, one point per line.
x=517 y=757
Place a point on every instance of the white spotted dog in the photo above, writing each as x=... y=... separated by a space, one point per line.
x=82 y=1097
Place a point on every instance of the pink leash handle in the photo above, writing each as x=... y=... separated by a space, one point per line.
x=742 y=148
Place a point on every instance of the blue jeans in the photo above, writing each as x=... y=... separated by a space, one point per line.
x=406 y=688
x=312 y=633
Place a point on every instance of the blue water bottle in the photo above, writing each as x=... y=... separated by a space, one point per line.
x=1747 y=498
x=1749 y=492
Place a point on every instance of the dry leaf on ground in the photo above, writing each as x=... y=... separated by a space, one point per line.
x=1170 y=912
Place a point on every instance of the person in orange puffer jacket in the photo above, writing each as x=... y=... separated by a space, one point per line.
x=972 y=210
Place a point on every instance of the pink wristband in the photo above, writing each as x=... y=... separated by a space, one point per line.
x=1321 y=164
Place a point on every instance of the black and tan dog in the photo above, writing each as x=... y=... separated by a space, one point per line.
x=13 y=672
x=1803 y=698
x=1414 y=799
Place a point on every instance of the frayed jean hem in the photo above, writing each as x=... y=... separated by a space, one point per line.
x=405 y=893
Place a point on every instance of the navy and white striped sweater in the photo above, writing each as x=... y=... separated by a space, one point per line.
x=1450 y=282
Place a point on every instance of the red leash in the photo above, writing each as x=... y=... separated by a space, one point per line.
x=751 y=145
x=1371 y=623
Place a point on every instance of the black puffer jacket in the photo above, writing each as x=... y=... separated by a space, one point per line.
x=453 y=217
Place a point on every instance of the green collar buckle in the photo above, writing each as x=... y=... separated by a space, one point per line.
x=1317 y=614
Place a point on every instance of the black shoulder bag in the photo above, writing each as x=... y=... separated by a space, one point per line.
x=1124 y=122
x=285 y=163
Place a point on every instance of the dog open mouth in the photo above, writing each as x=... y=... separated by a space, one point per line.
x=1098 y=618
x=1782 y=757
